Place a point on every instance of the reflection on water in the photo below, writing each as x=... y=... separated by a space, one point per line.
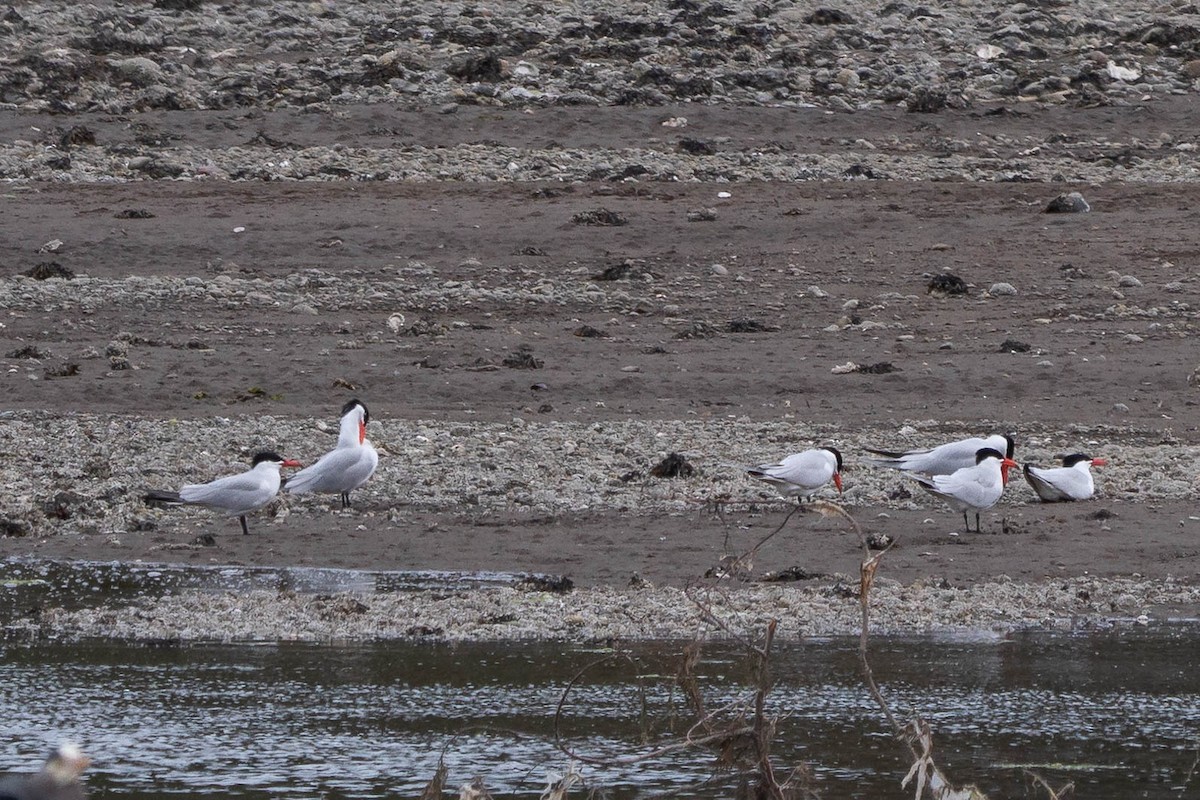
x=1118 y=713
x=26 y=582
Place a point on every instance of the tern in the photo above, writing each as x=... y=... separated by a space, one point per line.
x=946 y=458
x=347 y=466
x=57 y=780
x=974 y=488
x=235 y=494
x=1071 y=481
x=801 y=475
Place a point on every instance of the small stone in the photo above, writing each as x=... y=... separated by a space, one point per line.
x=702 y=215
x=719 y=269
x=1132 y=337
x=1120 y=408
x=946 y=284
x=1002 y=289
x=1128 y=281
x=1071 y=203
x=673 y=466
x=139 y=71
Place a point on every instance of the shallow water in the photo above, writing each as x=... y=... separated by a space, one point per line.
x=1117 y=712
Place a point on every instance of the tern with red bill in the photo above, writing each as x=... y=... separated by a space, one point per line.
x=974 y=488
x=1071 y=481
x=347 y=466
x=57 y=780
x=946 y=458
x=801 y=475
x=235 y=494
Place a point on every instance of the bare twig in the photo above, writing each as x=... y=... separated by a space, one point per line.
x=1055 y=794
x=433 y=789
x=1191 y=773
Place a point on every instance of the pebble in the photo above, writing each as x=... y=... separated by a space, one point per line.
x=1002 y=289
x=599 y=614
x=1071 y=203
x=1128 y=281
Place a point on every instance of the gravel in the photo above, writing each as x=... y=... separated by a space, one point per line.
x=607 y=615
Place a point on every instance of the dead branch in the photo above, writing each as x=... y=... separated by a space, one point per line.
x=433 y=789
x=1055 y=794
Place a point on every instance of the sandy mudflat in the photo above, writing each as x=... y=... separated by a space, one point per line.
x=273 y=208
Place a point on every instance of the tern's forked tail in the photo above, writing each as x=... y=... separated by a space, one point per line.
x=161 y=497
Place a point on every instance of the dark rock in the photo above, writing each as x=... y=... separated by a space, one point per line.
x=65 y=370
x=1070 y=203
x=618 y=272
x=588 y=332
x=76 y=136
x=522 y=358
x=63 y=505
x=134 y=213
x=179 y=5
x=28 y=351
x=750 y=326
x=673 y=466
x=946 y=283
x=702 y=215
x=878 y=368
x=1014 y=346
x=879 y=541
x=555 y=584
x=14 y=528
x=157 y=168
x=696 y=147
x=697 y=330
x=49 y=269
x=926 y=100
x=477 y=67
x=829 y=16
x=862 y=171
x=600 y=216
x=790 y=575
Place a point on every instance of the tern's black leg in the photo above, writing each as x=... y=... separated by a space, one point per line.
x=977 y=528
x=245 y=529
x=966 y=524
x=345 y=499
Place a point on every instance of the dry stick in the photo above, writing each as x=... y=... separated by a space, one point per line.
x=1190 y=773
x=637 y=759
x=1054 y=795
x=923 y=765
x=763 y=731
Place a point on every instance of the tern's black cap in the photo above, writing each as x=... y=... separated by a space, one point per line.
x=346 y=409
x=988 y=452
